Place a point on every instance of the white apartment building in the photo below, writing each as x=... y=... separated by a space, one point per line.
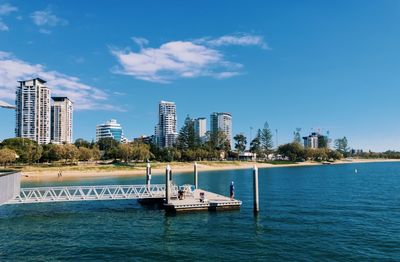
x=32 y=114
x=200 y=128
x=166 y=129
x=221 y=122
x=61 y=120
x=311 y=141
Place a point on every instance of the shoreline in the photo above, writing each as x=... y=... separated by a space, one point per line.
x=74 y=175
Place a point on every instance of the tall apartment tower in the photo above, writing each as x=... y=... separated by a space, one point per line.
x=61 y=120
x=32 y=114
x=166 y=129
x=200 y=128
x=221 y=122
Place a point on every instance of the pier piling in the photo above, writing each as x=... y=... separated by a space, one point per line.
x=148 y=174
x=168 y=179
x=255 y=190
x=195 y=173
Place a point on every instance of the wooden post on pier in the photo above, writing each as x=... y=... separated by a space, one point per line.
x=255 y=190
x=148 y=174
x=168 y=178
x=195 y=173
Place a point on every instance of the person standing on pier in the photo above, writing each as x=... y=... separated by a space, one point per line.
x=232 y=190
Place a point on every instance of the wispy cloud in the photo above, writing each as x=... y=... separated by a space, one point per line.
x=3 y=26
x=236 y=39
x=84 y=96
x=181 y=59
x=6 y=9
x=44 y=31
x=140 y=41
x=45 y=19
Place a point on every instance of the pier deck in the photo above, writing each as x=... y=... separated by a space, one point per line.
x=208 y=201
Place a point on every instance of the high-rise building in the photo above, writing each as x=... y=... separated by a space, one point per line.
x=221 y=122
x=316 y=140
x=110 y=129
x=166 y=129
x=200 y=128
x=32 y=114
x=61 y=120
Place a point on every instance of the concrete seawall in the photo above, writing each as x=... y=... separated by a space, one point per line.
x=10 y=185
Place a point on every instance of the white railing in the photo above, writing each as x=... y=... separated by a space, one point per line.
x=90 y=193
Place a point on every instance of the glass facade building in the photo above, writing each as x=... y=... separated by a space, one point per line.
x=111 y=129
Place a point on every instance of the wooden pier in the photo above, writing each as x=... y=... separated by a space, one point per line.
x=199 y=200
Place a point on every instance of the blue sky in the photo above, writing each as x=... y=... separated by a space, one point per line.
x=328 y=65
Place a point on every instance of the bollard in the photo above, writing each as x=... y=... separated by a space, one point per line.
x=148 y=175
x=255 y=190
x=196 y=181
x=168 y=178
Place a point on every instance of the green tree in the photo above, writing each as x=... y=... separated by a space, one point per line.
x=56 y=152
x=341 y=145
x=69 y=152
x=169 y=154
x=255 y=144
x=7 y=156
x=241 y=142
x=323 y=141
x=294 y=151
x=187 y=138
x=109 y=146
x=28 y=151
x=47 y=155
x=266 y=140
x=141 y=151
x=335 y=155
x=125 y=152
x=85 y=154
x=80 y=142
x=218 y=141
x=96 y=155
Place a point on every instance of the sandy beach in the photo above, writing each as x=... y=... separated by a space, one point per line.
x=88 y=172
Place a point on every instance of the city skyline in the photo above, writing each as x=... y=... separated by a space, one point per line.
x=279 y=69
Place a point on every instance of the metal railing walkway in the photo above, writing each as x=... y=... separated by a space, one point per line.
x=90 y=193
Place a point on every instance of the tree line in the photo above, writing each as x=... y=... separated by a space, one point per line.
x=188 y=147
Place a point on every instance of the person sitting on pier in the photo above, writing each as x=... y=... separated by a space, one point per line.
x=180 y=194
x=232 y=190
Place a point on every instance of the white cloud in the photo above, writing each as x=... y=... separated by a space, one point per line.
x=78 y=59
x=140 y=41
x=172 y=60
x=3 y=26
x=47 y=18
x=85 y=97
x=44 y=31
x=237 y=39
x=6 y=9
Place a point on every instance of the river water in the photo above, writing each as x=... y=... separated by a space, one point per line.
x=315 y=213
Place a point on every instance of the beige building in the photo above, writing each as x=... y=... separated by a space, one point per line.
x=61 y=120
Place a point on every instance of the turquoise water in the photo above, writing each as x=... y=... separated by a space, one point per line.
x=307 y=213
